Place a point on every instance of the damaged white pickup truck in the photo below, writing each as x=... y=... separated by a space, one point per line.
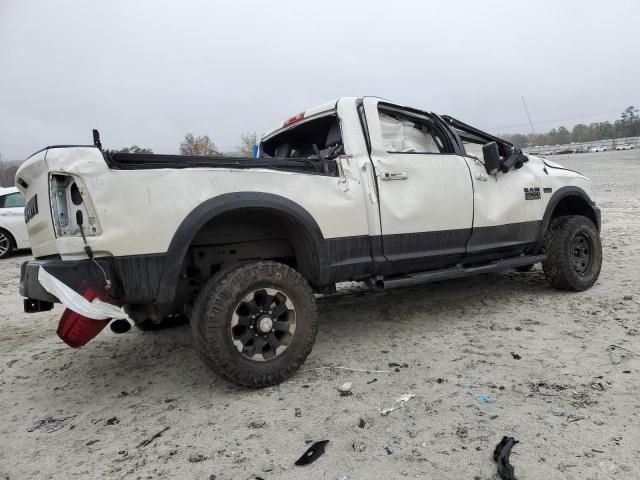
x=356 y=189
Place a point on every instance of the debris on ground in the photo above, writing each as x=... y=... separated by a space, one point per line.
x=312 y=453
x=618 y=354
x=197 y=458
x=372 y=381
x=297 y=412
x=501 y=457
x=515 y=356
x=144 y=443
x=401 y=400
x=257 y=424
x=345 y=389
x=50 y=424
x=358 y=447
x=359 y=370
x=361 y=423
x=483 y=398
x=400 y=365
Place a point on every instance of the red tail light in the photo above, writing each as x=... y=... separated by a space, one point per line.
x=294 y=119
x=76 y=330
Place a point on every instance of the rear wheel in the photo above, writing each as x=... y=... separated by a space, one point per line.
x=574 y=253
x=255 y=324
x=7 y=244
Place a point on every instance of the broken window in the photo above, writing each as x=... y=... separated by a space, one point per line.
x=319 y=138
x=404 y=132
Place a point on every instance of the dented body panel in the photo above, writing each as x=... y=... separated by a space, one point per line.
x=384 y=190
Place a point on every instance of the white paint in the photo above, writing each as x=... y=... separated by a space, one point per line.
x=12 y=220
x=139 y=211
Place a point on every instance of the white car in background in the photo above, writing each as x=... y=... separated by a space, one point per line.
x=600 y=148
x=13 y=230
x=626 y=146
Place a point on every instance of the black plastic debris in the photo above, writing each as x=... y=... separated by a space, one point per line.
x=148 y=441
x=501 y=457
x=515 y=356
x=113 y=421
x=312 y=454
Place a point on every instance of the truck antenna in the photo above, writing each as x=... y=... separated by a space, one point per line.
x=528 y=116
x=96 y=139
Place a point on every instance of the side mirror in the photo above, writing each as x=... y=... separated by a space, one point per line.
x=491 y=157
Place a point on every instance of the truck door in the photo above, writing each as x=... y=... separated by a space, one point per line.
x=424 y=188
x=508 y=207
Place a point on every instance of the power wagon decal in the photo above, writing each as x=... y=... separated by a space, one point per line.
x=532 y=193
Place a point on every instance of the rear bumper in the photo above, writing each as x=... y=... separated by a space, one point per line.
x=134 y=279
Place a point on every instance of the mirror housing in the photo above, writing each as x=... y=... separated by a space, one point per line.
x=491 y=157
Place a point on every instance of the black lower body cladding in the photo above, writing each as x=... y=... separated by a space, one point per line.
x=135 y=279
x=152 y=278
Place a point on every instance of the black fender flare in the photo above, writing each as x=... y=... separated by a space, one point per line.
x=555 y=199
x=213 y=207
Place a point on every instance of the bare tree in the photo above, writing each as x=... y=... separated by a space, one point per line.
x=248 y=139
x=202 y=145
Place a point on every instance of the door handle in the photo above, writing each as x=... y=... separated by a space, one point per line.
x=394 y=175
x=482 y=177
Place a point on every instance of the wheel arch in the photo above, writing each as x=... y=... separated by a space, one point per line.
x=309 y=242
x=569 y=201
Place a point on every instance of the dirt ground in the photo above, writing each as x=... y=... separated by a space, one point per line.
x=541 y=356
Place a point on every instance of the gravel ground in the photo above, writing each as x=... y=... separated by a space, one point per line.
x=542 y=357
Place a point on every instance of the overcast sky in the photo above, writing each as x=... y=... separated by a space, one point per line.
x=147 y=72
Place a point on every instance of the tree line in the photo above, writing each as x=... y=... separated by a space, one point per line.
x=203 y=145
x=628 y=125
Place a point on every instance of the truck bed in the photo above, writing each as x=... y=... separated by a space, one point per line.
x=137 y=161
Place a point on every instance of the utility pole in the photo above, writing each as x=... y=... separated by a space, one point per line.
x=528 y=116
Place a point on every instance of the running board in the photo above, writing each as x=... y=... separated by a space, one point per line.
x=454 y=272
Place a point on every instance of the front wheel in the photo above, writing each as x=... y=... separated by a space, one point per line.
x=574 y=253
x=255 y=324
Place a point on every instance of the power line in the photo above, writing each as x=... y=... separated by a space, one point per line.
x=550 y=120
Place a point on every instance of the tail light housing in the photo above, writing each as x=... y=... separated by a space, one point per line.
x=76 y=330
x=69 y=200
